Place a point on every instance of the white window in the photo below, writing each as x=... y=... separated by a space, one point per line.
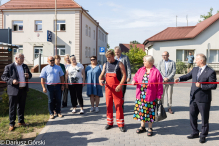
x=17 y=25
x=94 y=53
x=89 y=53
x=94 y=35
x=89 y=32
x=61 y=26
x=38 y=26
x=181 y=55
x=86 y=52
x=86 y=30
x=214 y=56
x=37 y=50
x=19 y=50
x=61 y=50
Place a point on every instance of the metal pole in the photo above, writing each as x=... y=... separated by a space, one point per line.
x=39 y=63
x=209 y=47
x=102 y=60
x=55 y=28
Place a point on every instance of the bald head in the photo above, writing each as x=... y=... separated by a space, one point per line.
x=165 y=55
x=51 y=60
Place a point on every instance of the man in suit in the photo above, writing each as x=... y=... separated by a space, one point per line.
x=200 y=95
x=15 y=75
x=167 y=69
x=125 y=60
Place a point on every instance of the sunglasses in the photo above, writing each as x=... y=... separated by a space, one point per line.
x=52 y=60
x=92 y=59
x=72 y=55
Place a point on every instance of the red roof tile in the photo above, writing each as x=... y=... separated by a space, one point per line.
x=126 y=47
x=181 y=33
x=39 y=4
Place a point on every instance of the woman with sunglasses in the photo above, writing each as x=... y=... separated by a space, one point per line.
x=75 y=75
x=94 y=90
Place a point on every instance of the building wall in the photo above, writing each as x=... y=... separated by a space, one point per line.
x=199 y=44
x=77 y=36
x=88 y=41
x=1 y=19
x=102 y=43
x=29 y=38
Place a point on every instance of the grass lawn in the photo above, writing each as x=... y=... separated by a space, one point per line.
x=36 y=115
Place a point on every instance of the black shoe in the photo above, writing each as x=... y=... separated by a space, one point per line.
x=108 y=127
x=193 y=136
x=122 y=129
x=202 y=140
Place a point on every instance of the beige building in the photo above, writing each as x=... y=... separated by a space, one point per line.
x=179 y=41
x=77 y=32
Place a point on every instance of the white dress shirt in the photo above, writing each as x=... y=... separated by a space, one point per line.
x=21 y=75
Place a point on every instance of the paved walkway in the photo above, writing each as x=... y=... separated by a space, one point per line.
x=88 y=129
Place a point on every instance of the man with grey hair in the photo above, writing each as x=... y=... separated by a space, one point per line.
x=125 y=60
x=16 y=76
x=200 y=95
x=167 y=69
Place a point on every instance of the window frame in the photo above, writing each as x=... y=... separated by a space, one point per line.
x=94 y=34
x=183 y=54
x=59 y=48
x=18 y=30
x=59 y=26
x=89 y=32
x=217 y=57
x=37 y=25
x=86 y=30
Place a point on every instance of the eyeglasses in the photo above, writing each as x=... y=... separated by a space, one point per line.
x=92 y=59
x=164 y=55
x=72 y=55
x=52 y=60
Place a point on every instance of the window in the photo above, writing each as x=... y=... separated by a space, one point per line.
x=89 y=55
x=86 y=30
x=214 y=56
x=17 y=25
x=60 y=25
x=94 y=34
x=61 y=50
x=94 y=53
x=86 y=52
x=19 y=50
x=37 y=50
x=181 y=55
x=38 y=26
x=89 y=32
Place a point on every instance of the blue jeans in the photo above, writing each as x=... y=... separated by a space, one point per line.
x=54 y=92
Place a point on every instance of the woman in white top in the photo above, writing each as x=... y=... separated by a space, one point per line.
x=75 y=74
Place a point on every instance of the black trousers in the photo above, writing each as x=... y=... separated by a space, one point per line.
x=123 y=91
x=203 y=108
x=17 y=104
x=65 y=97
x=76 y=94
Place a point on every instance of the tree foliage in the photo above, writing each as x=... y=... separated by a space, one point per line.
x=135 y=42
x=136 y=57
x=108 y=46
x=208 y=15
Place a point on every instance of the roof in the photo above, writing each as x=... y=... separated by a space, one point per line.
x=39 y=4
x=182 y=33
x=126 y=47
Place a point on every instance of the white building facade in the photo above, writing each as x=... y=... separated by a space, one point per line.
x=77 y=33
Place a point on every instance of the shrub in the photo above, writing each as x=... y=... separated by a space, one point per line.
x=180 y=67
x=4 y=104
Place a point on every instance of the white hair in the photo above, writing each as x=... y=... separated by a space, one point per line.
x=202 y=57
x=117 y=47
x=149 y=58
x=17 y=55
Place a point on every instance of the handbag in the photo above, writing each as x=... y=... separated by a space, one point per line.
x=160 y=112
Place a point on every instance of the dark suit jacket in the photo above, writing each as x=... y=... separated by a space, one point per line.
x=10 y=73
x=201 y=94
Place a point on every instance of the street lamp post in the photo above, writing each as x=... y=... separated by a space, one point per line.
x=55 y=28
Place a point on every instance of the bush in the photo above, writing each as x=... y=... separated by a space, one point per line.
x=136 y=58
x=180 y=67
x=4 y=104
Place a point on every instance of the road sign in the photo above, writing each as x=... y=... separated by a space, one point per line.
x=49 y=36
x=102 y=51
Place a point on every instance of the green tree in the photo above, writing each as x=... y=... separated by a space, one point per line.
x=135 y=42
x=208 y=15
x=108 y=46
x=136 y=57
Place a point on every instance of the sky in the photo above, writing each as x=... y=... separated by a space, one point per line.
x=128 y=20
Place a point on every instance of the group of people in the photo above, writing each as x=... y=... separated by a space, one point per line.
x=151 y=85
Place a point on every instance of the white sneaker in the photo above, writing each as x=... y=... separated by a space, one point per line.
x=91 y=109
x=74 y=111
x=82 y=112
x=96 y=109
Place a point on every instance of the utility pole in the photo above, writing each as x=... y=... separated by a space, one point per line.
x=55 y=28
x=187 y=19
x=176 y=20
